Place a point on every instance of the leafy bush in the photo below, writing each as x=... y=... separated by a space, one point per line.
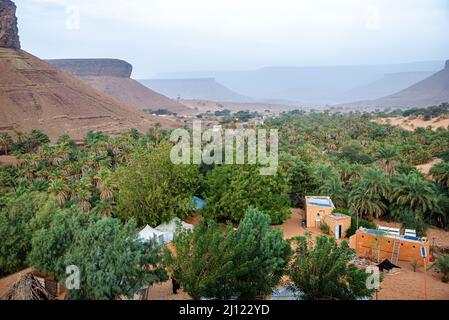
x=325 y=228
x=442 y=264
x=409 y=221
x=246 y=263
x=232 y=189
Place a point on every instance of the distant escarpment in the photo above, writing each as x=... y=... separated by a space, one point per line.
x=113 y=78
x=94 y=67
x=9 y=33
x=431 y=91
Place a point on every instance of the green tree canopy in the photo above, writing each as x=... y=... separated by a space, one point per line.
x=218 y=262
x=321 y=271
x=153 y=190
x=231 y=189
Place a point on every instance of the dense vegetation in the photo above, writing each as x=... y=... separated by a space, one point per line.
x=365 y=167
x=322 y=271
x=115 y=185
x=246 y=263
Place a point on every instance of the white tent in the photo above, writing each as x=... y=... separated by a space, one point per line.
x=173 y=225
x=148 y=234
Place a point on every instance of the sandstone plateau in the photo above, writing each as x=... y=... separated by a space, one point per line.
x=113 y=78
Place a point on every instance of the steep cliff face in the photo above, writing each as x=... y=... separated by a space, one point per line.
x=94 y=67
x=9 y=33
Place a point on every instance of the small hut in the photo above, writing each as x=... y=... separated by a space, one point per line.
x=27 y=287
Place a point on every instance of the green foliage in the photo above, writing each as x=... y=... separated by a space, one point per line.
x=414 y=265
x=325 y=228
x=440 y=173
x=221 y=264
x=321 y=271
x=231 y=189
x=261 y=256
x=301 y=181
x=111 y=259
x=442 y=265
x=355 y=153
x=15 y=230
x=153 y=190
x=429 y=112
x=414 y=193
x=410 y=221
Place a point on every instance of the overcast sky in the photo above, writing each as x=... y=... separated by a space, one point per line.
x=185 y=35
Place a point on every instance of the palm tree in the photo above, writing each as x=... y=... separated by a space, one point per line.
x=440 y=173
x=83 y=197
x=376 y=181
x=60 y=190
x=333 y=188
x=413 y=192
x=5 y=141
x=388 y=160
x=19 y=136
x=367 y=204
x=370 y=193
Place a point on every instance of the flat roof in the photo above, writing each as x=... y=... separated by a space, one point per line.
x=319 y=201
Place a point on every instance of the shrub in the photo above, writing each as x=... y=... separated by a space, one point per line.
x=442 y=264
x=321 y=270
x=325 y=228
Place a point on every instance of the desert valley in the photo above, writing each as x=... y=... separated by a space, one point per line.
x=89 y=188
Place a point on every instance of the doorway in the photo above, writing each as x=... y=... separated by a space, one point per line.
x=338 y=231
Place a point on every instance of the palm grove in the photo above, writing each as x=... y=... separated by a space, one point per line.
x=68 y=205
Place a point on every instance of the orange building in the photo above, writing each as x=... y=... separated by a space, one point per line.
x=378 y=245
x=319 y=210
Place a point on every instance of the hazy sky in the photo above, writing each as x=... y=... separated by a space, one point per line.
x=184 y=35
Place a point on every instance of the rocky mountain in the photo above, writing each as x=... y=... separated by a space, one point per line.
x=36 y=95
x=113 y=78
x=9 y=33
x=198 y=88
x=433 y=90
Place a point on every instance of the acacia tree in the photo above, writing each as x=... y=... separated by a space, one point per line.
x=322 y=271
x=221 y=264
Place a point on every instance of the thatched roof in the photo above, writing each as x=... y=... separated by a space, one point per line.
x=27 y=288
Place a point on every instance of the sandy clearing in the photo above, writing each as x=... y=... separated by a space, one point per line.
x=425 y=168
x=411 y=124
x=408 y=285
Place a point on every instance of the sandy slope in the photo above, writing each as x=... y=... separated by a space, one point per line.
x=413 y=123
x=34 y=94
